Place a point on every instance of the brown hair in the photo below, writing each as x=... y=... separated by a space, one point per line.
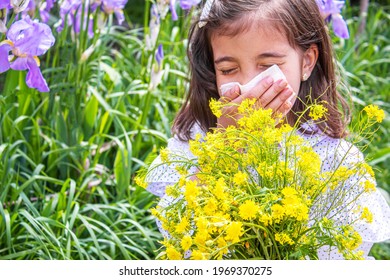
x=301 y=21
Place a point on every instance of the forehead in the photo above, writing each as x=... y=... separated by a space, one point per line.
x=260 y=35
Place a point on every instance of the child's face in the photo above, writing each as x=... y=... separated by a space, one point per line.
x=242 y=57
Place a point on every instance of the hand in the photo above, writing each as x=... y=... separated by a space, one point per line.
x=268 y=94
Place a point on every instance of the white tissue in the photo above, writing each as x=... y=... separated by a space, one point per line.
x=274 y=71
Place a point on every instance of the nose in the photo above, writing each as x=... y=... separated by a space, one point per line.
x=249 y=75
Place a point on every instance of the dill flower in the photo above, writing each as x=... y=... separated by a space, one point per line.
x=373 y=112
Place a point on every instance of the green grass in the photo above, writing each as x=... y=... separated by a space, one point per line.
x=68 y=157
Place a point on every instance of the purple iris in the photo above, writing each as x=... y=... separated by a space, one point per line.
x=27 y=40
x=172 y=4
x=157 y=71
x=159 y=55
x=5 y=4
x=71 y=11
x=188 y=4
x=331 y=11
x=114 y=6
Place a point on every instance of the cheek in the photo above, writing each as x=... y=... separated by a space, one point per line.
x=294 y=80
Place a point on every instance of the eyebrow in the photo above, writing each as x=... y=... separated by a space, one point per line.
x=260 y=56
x=270 y=54
x=224 y=58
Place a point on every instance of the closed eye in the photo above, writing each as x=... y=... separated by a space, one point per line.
x=228 y=71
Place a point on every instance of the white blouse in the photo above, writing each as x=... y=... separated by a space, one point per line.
x=330 y=150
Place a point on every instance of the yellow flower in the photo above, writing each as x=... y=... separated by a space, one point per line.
x=283 y=238
x=173 y=254
x=164 y=155
x=222 y=248
x=211 y=207
x=317 y=111
x=289 y=191
x=197 y=255
x=186 y=242
x=219 y=189
x=367 y=215
x=191 y=191
x=215 y=107
x=373 y=112
x=140 y=182
x=182 y=226
x=248 y=210
x=240 y=178
x=277 y=212
x=200 y=238
x=265 y=219
x=173 y=191
x=234 y=231
x=369 y=186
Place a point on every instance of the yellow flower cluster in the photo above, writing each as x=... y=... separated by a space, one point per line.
x=255 y=195
x=317 y=111
x=373 y=112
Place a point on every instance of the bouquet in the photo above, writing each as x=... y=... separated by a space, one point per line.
x=258 y=193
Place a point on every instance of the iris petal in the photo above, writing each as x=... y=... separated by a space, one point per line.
x=340 y=27
x=34 y=78
x=4 y=63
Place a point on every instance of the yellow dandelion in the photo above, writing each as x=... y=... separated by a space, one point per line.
x=182 y=226
x=289 y=192
x=173 y=254
x=222 y=248
x=186 y=242
x=197 y=255
x=248 y=210
x=317 y=111
x=234 y=231
x=200 y=238
x=211 y=207
x=277 y=212
x=240 y=178
x=373 y=112
x=191 y=191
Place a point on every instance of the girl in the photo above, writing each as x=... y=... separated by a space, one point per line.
x=234 y=41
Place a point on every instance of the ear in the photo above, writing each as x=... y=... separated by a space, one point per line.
x=309 y=60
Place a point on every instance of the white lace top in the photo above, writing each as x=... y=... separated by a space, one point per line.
x=331 y=151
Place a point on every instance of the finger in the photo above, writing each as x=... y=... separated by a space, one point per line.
x=280 y=98
x=284 y=108
x=257 y=91
x=231 y=94
x=273 y=93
